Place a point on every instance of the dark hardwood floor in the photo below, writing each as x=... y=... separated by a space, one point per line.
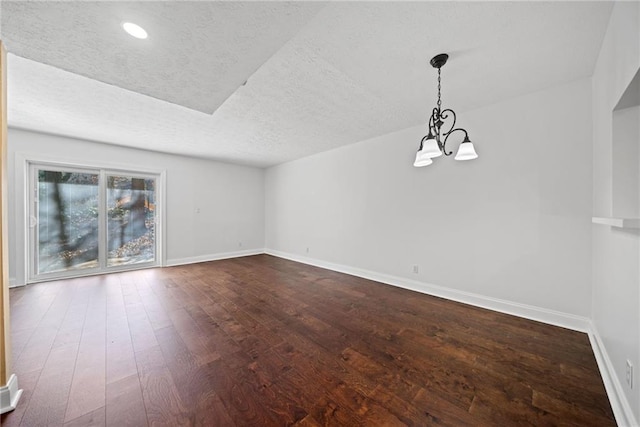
x=261 y=341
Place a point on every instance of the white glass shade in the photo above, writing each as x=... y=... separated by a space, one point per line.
x=430 y=149
x=422 y=160
x=466 y=152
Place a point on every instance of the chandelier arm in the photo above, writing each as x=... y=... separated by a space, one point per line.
x=444 y=115
x=466 y=136
x=435 y=122
x=434 y=129
x=435 y=115
x=424 y=138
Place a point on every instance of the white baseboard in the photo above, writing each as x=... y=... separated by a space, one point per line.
x=552 y=317
x=9 y=395
x=13 y=283
x=213 y=257
x=619 y=403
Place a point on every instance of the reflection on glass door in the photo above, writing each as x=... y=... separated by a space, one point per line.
x=85 y=221
x=131 y=220
x=67 y=221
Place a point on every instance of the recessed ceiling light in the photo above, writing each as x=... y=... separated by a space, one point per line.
x=134 y=30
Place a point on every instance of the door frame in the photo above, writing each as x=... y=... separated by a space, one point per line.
x=27 y=160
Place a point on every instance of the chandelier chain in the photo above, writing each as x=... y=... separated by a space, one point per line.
x=439 y=101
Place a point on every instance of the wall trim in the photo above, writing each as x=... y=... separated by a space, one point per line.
x=212 y=257
x=539 y=314
x=617 y=398
x=10 y=395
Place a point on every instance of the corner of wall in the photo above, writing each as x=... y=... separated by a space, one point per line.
x=619 y=404
x=615 y=324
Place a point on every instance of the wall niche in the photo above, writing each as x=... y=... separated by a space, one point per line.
x=625 y=203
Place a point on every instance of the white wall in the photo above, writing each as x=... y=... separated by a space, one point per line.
x=616 y=252
x=512 y=225
x=230 y=197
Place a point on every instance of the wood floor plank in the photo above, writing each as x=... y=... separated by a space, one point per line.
x=259 y=386
x=209 y=325
x=193 y=337
x=140 y=327
x=194 y=383
x=20 y=338
x=237 y=397
x=261 y=341
x=87 y=392
x=95 y=418
x=120 y=357
x=49 y=400
x=441 y=412
x=35 y=352
x=161 y=399
x=125 y=406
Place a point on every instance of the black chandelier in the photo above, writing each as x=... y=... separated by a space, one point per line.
x=435 y=143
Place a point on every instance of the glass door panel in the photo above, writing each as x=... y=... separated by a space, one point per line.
x=86 y=221
x=131 y=220
x=67 y=221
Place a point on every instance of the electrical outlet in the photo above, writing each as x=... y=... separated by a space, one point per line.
x=415 y=269
x=629 y=373
x=307 y=250
x=197 y=210
x=239 y=244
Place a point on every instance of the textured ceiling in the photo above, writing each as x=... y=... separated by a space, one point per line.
x=197 y=54
x=319 y=75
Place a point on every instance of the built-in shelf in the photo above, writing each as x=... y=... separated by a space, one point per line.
x=625 y=164
x=617 y=222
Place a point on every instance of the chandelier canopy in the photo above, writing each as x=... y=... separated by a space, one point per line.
x=441 y=126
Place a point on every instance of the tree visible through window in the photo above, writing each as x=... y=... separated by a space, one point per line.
x=67 y=221
x=131 y=225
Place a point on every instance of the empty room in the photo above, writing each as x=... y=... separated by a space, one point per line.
x=307 y=213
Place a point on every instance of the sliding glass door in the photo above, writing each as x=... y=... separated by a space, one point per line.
x=85 y=221
x=131 y=220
